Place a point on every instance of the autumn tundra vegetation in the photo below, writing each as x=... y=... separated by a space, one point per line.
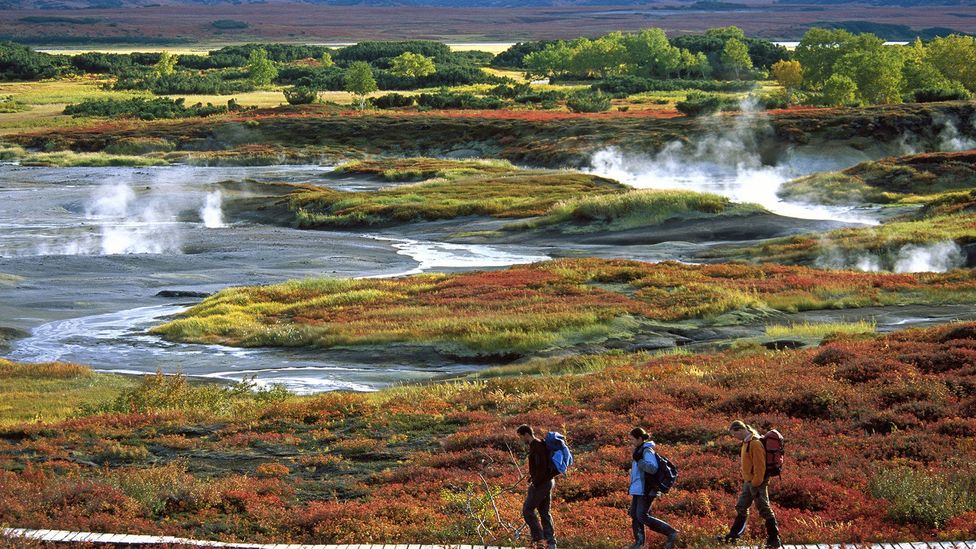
x=764 y=319
x=880 y=431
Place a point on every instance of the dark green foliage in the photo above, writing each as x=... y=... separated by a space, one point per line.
x=888 y=31
x=447 y=100
x=588 y=102
x=375 y=51
x=280 y=53
x=929 y=95
x=146 y=109
x=623 y=86
x=22 y=63
x=224 y=82
x=513 y=57
x=763 y=52
x=101 y=63
x=301 y=95
x=228 y=24
x=392 y=101
x=59 y=20
x=699 y=104
x=550 y=96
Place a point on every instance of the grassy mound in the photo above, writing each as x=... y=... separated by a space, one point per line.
x=880 y=438
x=633 y=209
x=896 y=180
x=447 y=190
x=541 y=307
x=948 y=220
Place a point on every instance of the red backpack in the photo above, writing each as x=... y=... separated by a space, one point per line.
x=773 y=443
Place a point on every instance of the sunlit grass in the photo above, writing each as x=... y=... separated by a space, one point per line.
x=52 y=391
x=527 y=309
x=820 y=330
x=447 y=189
x=638 y=208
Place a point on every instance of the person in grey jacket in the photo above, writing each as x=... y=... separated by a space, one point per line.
x=643 y=492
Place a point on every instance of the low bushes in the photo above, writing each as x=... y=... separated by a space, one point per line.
x=631 y=85
x=699 y=104
x=392 y=101
x=458 y=100
x=588 y=102
x=315 y=469
x=926 y=498
x=301 y=95
x=145 y=109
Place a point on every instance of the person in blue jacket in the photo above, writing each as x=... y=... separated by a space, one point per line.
x=643 y=491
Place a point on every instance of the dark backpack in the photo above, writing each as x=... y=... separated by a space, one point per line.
x=663 y=479
x=666 y=475
x=773 y=443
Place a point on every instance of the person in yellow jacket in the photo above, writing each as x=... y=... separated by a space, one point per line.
x=755 y=485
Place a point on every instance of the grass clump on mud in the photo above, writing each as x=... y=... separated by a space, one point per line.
x=52 y=391
x=934 y=193
x=535 y=308
x=944 y=227
x=896 y=180
x=69 y=159
x=636 y=208
x=324 y=468
x=447 y=190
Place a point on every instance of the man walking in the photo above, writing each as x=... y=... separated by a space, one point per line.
x=542 y=473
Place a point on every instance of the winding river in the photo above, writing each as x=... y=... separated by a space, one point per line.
x=85 y=253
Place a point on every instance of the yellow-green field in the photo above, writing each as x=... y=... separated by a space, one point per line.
x=50 y=392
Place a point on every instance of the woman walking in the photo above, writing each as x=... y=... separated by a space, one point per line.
x=755 y=485
x=643 y=491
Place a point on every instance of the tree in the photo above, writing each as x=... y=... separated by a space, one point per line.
x=727 y=33
x=955 y=57
x=839 y=90
x=166 y=64
x=554 y=59
x=735 y=55
x=326 y=60
x=877 y=73
x=603 y=56
x=649 y=53
x=412 y=64
x=260 y=70
x=790 y=75
x=359 y=81
x=820 y=49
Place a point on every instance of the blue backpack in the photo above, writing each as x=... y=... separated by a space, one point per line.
x=562 y=458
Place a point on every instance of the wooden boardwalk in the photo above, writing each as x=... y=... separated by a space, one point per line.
x=63 y=536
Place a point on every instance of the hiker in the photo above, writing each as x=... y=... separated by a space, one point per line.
x=755 y=485
x=538 y=498
x=644 y=490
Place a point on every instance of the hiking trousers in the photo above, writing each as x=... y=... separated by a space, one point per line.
x=758 y=496
x=536 y=512
x=640 y=516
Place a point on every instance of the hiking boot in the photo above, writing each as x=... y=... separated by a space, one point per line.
x=736 y=530
x=672 y=537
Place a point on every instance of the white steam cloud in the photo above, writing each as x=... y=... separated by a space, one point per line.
x=121 y=225
x=935 y=257
x=119 y=218
x=211 y=212
x=949 y=138
x=726 y=161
